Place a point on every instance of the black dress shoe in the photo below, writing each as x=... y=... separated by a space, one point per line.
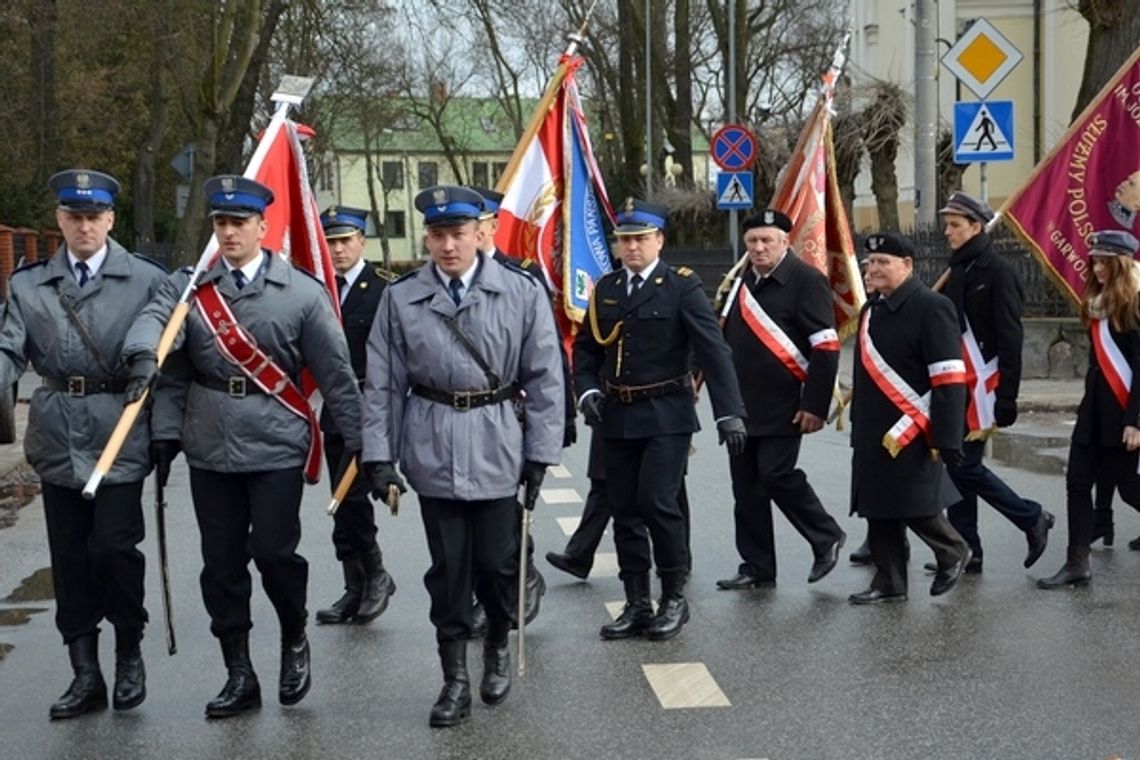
x=1070 y=574
x=743 y=581
x=874 y=596
x=944 y=580
x=1038 y=537
x=568 y=564
x=825 y=564
x=295 y=678
x=130 y=682
x=973 y=567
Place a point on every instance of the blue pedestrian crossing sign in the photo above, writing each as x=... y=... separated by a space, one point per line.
x=983 y=131
x=733 y=190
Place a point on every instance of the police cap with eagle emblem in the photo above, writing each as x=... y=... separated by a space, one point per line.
x=84 y=190
x=491 y=202
x=343 y=221
x=449 y=204
x=236 y=196
x=636 y=217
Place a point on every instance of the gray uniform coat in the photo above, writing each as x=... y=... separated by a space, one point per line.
x=66 y=434
x=290 y=316
x=463 y=455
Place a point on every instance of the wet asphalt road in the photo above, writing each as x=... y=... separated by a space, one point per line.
x=995 y=669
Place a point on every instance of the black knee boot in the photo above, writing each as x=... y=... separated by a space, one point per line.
x=1075 y=571
x=130 y=675
x=496 y=664
x=454 y=703
x=343 y=609
x=88 y=690
x=378 y=587
x=242 y=691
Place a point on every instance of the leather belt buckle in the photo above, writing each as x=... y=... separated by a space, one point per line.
x=76 y=386
x=625 y=394
x=461 y=401
x=235 y=387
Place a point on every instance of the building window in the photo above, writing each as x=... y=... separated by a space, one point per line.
x=394 y=225
x=429 y=173
x=500 y=168
x=487 y=123
x=479 y=174
x=392 y=174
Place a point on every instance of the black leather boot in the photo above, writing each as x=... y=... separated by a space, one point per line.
x=242 y=691
x=295 y=678
x=1103 y=528
x=378 y=587
x=454 y=703
x=343 y=609
x=496 y=665
x=478 y=618
x=88 y=690
x=672 y=610
x=1075 y=571
x=130 y=675
x=637 y=615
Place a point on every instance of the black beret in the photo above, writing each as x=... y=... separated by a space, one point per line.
x=889 y=242
x=769 y=217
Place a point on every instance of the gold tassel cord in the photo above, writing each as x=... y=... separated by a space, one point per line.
x=597 y=331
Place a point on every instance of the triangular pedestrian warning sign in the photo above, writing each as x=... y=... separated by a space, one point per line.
x=984 y=135
x=735 y=192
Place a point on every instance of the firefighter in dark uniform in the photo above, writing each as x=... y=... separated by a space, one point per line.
x=907 y=414
x=632 y=372
x=247 y=430
x=781 y=329
x=988 y=295
x=367 y=585
x=67 y=317
x=488 y=226
x=456 y=345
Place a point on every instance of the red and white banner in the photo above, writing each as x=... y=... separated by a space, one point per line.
x=1090 y=181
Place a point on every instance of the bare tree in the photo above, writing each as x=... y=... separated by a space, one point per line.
x=883 y=121
x=1114 y=29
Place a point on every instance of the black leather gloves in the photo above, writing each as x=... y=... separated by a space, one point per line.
x=380 y=476
x=731 y=432
x=952 y=457
x=162 y=453
x=141 y=375
x=569 y=433
x=1005 y=411
x=533 y=473
x=591 y=406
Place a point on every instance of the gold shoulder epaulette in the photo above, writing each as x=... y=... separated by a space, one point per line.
x=684 y=271
x=526 y=262
x=383 y=273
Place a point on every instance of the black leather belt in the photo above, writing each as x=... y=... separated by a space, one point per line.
x=78 y=386
x=627 y=394
x=236 y=386
x=464 y=400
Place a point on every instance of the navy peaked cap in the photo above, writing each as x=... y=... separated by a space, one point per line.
x=84 y=190
x=237 y=196
x=342 y=221
x=636 y=217
x=1113 y=243
x=491 y=201
x=449 y=204
x=968 y=206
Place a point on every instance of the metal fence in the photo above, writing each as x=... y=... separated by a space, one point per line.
x=1042 y=299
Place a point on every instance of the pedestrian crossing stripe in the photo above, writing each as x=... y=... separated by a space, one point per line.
x=558 y=471
x=568 y=524
x=684 y=685
x=560 y=496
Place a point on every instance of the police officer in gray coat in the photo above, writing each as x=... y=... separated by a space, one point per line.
x=67 y=316
x=247 y=446
x=454 y=344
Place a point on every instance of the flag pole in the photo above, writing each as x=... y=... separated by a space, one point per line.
x=291 y=91
x=552 y=89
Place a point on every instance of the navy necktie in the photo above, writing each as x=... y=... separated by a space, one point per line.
x=635 y=283
x=340 y=284
x=239 y=279
x=84 y=273
x=454 y=287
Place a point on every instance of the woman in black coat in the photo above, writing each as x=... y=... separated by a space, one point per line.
x=1106 y=435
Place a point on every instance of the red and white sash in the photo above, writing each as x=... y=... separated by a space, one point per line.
x=240 y=349
x=777 y=341
x=1113 y=365
x=982 y=379
x=915 y=408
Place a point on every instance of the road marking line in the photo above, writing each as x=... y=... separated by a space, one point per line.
x=568 y=524
x=684 y=684
x=560 y=496
x=558 y=471
x=605 y=565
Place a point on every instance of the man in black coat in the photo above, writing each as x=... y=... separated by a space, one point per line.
x=633 y=376
x=781 y=328
x=988 y=297
x=367 y=585
x=908 y=407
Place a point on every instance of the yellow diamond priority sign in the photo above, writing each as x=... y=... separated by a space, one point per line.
x=982 y=58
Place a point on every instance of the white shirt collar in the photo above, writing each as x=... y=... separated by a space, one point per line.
x=250 y=270
x=94 y=263
x=466 y=277
x=644 y=272
x=350 y=277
